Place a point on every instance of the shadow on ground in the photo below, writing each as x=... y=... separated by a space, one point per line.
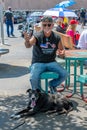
x=13 y=104
x=10 y=71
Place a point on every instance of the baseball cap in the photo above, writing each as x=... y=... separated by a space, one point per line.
x=46 y=19
x=73 y=22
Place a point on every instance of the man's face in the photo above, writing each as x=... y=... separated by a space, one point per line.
x=47 y=26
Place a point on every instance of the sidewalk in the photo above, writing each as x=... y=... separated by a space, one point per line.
x=13 y=85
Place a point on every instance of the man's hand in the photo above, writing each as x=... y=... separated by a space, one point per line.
x=29 y=41
x=27 y=38
x=60 y=53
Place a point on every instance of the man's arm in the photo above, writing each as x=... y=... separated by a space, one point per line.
x=61 y=51
x=29 y=42
x=13 y=20
x=4 y=19
x=81 y=41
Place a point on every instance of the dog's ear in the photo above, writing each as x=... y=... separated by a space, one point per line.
x=28 y=90
x=38 y=90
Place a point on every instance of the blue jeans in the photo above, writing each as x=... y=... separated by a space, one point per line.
x=9 y=25
x=38 y=68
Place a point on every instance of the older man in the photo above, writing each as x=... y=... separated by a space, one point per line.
x=45 y=44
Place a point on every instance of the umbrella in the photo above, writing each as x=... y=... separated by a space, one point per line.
x=59 y=12
x=64 y=4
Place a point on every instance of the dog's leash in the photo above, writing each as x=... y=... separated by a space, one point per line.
x=18 y=125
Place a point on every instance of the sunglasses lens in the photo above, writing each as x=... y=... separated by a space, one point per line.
x=44 y=25
x=49 y=25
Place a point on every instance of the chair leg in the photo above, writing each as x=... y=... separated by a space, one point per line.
x=46 y=85
x=81 y=89
x=81 y=92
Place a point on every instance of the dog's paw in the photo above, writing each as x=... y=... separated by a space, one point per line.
x=13 y=116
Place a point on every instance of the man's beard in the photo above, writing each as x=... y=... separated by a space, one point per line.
x=47 y=31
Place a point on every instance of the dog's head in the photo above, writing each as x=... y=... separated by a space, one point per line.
x=33 y=97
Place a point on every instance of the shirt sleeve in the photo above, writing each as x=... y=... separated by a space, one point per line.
x=81 y=41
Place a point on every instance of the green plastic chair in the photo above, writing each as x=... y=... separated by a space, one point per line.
x=46 y=76
x=83 y=81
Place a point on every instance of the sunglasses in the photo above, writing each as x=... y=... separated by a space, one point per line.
x=49 y=25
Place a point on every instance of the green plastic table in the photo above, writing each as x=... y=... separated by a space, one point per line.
x=76 y=56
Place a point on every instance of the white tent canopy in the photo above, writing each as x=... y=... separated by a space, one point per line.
x=60 y=12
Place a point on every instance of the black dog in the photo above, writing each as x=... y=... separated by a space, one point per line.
x=42 y=102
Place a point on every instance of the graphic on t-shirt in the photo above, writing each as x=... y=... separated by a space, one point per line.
x=47 y=48
x=43 y=45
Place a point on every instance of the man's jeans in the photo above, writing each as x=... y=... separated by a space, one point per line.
x=10 y=28
x=38 y=68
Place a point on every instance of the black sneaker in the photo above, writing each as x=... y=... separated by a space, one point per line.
x=13 y=35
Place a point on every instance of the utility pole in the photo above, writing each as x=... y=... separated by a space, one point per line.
x=1 y=22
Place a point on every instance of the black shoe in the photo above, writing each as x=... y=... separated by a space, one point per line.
x=13 y=35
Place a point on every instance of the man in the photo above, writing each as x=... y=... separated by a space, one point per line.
x=9 y=20
x=45 y=45
x=82 y=17
x=59 y=27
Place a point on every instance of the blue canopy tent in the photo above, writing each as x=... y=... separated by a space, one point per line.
x=65 y=4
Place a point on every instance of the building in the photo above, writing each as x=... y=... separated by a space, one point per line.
x=40 y=4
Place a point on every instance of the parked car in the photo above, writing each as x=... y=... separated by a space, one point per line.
x=18 y=18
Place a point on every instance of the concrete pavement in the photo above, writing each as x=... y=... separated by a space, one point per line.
x=13 y=85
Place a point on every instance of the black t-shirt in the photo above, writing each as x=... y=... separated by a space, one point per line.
x=60 y=29
x=8 y=16
x=82 y=14
x=44 y=50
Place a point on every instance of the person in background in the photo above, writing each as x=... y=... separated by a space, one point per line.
x=82 y=43
x=66 y=22
x=45 y=46
x=71 y=30
x=60 y=27
x=9 y=20
x=77 y=36
x=82 y=17
x=37 y=27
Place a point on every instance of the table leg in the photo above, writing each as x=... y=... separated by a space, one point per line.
x=81 y=84
x=81 y=72
x=67 y=82
x=74 y=87
x=75 y=74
